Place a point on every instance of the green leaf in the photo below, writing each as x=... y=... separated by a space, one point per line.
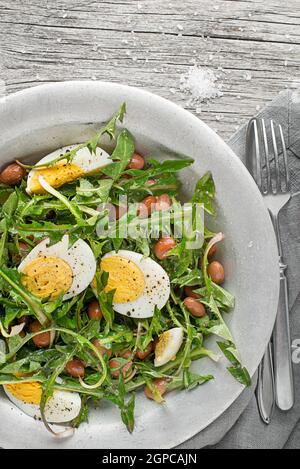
x=192 y=380
x=109 y=129
x=12 y=278
x=205 y=193
x=171 y=166
x=239 y=372
x=20 y=366
x=194 y=277
x=10 y=206
x=68 y=204
x=222 y=296
x=121 y=155
x=101 y=190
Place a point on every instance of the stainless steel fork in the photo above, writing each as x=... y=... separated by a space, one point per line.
x=267 y=161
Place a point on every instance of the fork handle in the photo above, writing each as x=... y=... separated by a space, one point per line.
x=265 y=388
x=284 y=382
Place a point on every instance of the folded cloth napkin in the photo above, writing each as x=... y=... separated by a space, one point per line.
x=240 y=427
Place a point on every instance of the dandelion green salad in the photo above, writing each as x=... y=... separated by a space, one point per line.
x=103 y=293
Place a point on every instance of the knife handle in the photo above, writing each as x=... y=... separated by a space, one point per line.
x=265 y=388
x=284 y=382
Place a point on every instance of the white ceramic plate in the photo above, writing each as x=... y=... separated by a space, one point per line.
x=38 y=120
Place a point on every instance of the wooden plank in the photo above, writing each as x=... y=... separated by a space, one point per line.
x=253 y=45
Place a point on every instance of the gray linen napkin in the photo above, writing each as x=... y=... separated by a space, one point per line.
x=240 y=427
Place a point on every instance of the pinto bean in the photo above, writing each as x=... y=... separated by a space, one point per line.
x=194 y=306
x=12 y=174
x=117 y=367
x=142 y=354
x=136 y=162
x=163 y=246
x=216 y=272
x=103 y=350
x=189 y=291
x=147 y=206
x=161 y=384
x=126 y=353
x=42 y=340
x=163 y=203
x=75 y=368
x=94 y=311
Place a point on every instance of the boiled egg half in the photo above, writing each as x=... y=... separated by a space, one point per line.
x=62 y=407
x=63 y=172
x=48 y=271
x=168 y=346
x=140 y=283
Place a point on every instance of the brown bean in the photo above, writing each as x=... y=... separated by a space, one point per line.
x=163 y=203
x=94 y=311
x=151 y=182
x=161 y=384
x=216 y=272
x=42 y=340
x=189 y=291
x=163 y=246
x=126 y=353
x=136 y=162
x=116 y=367
x=23 y=251
x=196 y=308
x=103 y=350
x=75 y=368
x=212 y=251
x=22 y=334
x=24 y=248
x=12 y=174
x=147 y=206
x=142 y=354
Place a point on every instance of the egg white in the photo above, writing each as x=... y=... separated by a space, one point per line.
x=62 y=407
x=84 y=159
x=79 y=257
x=157 y=286
x=172 y=340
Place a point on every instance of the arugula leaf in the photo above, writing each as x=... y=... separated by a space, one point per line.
x=21 y=366
x=205 y=193
x=154 y=330
x=109 y=129
x=192 y=380
x=87 y=190
x=12 y=277
x=192 y=278
x=121 y=155
x=10 y=206
x=239 y=372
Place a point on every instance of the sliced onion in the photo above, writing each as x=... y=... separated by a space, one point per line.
x=132 y=375
x=52 y=338
x=15 y=330
x=91 y=386
x=66 y=433
x=216 y=239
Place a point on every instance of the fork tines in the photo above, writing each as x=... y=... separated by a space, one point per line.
x=271 y=166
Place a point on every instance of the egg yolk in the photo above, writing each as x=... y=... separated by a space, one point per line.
x=162 y=344
x=30 y=392
x=125 y=277
x=57 y=175
x=47 y=277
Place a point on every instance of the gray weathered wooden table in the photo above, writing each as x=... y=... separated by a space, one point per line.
x=152 y=43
